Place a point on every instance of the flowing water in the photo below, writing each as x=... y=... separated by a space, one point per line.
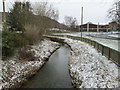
x=55 y=72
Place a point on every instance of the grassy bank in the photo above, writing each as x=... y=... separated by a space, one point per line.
x=114 y=44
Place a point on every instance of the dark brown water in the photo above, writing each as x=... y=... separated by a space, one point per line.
x=55 y=73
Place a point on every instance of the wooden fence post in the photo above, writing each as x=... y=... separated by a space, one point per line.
x=109 y=54
x=102 y=49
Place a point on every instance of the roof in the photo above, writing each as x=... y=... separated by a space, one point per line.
x=89 y=23
x=113 y=22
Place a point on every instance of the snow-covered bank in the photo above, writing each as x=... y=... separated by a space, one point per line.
x=0 y=73
x=89 y=69
x=15 y=72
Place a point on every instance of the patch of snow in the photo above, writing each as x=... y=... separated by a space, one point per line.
x=114 y=35
x=17 y=71
x=114 y=44
x=89 y=69
x=1 y=62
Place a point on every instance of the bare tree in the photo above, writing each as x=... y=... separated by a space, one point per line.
x=70 y=22
x=74 y=23
x=45 y=9
x=114 y=12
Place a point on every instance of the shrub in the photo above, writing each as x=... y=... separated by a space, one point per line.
x=10 y=41
x=33 y=33
x=26 y=55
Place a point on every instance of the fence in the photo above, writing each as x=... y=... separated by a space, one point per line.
x=104 y=50
x=110 y=53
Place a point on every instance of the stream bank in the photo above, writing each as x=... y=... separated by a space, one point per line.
x=89 y=68
x=55 y=74
x=15 y=71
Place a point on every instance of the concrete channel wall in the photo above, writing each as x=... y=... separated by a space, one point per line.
x=110 y=53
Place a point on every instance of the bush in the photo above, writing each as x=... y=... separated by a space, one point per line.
x=24 y=54
x=33 y=34
x=10 y=41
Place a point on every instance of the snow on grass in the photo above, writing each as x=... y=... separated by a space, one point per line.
x=15 y=71
x=89 y=69
x=44 y=50
x=114 y=35
x=1 y=73
x=114 y=44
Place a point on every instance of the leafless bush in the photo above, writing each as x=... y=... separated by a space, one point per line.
x=25 y=55
x=114 y=12
x=45 y=9
x=39 y=22
x=71 y=22
x=33 y=33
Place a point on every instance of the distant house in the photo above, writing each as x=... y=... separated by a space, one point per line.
x=113 y=26
x=104 y=28
x=90 y=27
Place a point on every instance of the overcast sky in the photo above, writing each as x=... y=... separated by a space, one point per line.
x=94 y=10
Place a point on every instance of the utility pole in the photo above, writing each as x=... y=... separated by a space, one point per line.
x=81 y=20
x=98 y=27
x=88 y=27
x=4 y=16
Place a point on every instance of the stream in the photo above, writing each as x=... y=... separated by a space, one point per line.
x=54 y=73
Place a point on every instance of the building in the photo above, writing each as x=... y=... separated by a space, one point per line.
x=113 y=26
x=90 y=27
